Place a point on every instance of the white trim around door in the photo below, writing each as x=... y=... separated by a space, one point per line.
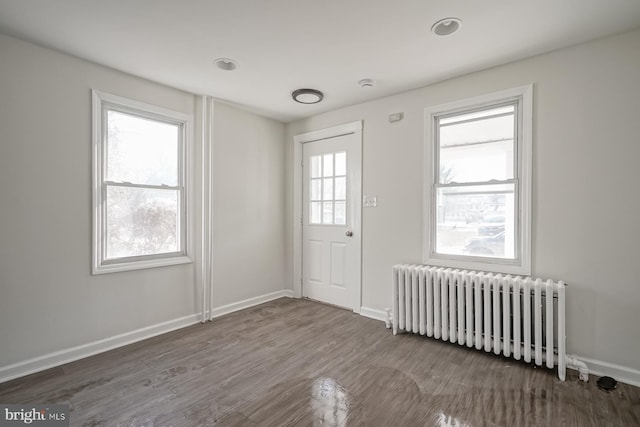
x=298 y=141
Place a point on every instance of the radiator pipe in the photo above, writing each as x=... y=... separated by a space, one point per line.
x=207 y=208
x=210 y=142
x=574 y=363
x=204 y=225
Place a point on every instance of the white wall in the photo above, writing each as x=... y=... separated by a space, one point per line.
x=249 y=225
x=586 y=204
x=48 y=299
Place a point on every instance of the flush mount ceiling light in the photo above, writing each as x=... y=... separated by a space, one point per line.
x=307 y=96
x=226 y=64
x=367 y=83
x=446 y=26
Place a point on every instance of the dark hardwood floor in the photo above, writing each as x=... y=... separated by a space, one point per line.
x=300 y=363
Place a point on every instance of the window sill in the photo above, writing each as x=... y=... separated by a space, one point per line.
x=139 y=265
x=513 y=267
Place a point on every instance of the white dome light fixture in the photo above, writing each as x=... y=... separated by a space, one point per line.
x=367 y=83
x=226 y=64
x=446 y=26
x=307 y=96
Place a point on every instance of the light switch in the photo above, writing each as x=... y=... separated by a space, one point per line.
x=370 y=201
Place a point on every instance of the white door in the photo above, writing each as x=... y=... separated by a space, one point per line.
x=331 y=244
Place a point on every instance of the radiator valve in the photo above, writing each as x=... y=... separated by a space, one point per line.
x=387 y=322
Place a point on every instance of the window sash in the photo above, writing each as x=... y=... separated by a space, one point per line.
x=499 y=187
x=148 y=115
x=516 y=134
x=494 y=182
x=180 y=236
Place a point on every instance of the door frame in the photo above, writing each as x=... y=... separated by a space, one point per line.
x=355 y=128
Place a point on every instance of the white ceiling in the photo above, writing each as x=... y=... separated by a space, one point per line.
x=283 y=45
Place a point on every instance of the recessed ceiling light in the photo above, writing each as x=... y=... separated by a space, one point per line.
x=226 y=64
x=307 y=96
x=446 y=26
x=367 y=83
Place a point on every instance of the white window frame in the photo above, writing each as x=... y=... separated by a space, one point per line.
x=101 y=103
x=521 y=265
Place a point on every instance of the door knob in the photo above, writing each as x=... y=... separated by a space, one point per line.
x=349 y=233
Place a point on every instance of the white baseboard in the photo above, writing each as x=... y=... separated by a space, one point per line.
x=240 y=305
x=61 y=357
x=621 y=374
x=373 y=313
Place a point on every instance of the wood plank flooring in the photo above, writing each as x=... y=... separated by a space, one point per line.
x=300 y=363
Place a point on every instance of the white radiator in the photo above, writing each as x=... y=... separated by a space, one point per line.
x=523 y=318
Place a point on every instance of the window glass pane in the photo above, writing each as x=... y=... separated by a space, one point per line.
x=327 y=190
x=476 y=221
x=478 y=149
x=316 y=189
x=341 y=163
x=327 y=213
x=316 y=166
x=341 y=188
x=341 y=216
x=477 y=163
x=141 y=151
x=141 y=221
x=328 y=165
x=315 y=213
